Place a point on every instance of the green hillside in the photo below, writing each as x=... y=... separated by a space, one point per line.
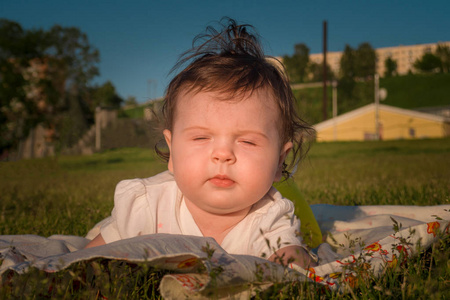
x=309 y=103
x=409 y=91
x=414 y=91
x=133 y=112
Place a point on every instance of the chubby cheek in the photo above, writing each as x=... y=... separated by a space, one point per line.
x=187 y=163
x=259 y=169
x=185 y=182
x=190 y=175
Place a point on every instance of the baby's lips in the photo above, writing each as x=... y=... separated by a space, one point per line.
x=221 y=181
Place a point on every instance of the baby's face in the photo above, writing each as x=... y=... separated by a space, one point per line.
x=224 y=154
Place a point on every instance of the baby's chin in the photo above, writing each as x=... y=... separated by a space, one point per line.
x=228 y=211
x=223 y=205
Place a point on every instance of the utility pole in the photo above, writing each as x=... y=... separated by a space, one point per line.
x=324 y=103
x=380 y=95
x=377 y=104
x=335 y=110
x=152 y=85
x=98 y=128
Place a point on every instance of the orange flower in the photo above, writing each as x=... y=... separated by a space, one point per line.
x=402 y=249
x=335 y=275
x=188 y=281
x=351 y=280
x=187 y=263
x=374 y=247
x=433 y=228
x=312 y=275
x=346 y=263
x=393 y=263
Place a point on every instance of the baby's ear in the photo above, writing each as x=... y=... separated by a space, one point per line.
x=283 y=154
x=168 y=137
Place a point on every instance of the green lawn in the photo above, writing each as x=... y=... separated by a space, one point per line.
x=364 y=173
x=69 y=194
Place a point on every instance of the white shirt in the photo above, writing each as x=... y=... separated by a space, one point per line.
x=155 y=205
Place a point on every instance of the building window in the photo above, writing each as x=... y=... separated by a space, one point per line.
x=370 y=136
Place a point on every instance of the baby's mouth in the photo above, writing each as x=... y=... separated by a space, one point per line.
x=221 y=181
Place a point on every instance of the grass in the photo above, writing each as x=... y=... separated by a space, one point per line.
x=413 y=172
x=69 y=194
x=66 y=194
x=414 y=91
x=133 y=113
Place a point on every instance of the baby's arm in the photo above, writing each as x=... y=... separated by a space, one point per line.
x=97 y=241
x=294 y=254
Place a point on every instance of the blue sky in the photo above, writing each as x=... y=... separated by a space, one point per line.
x=139 y=41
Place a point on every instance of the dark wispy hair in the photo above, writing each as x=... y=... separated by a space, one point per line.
x=231 y=62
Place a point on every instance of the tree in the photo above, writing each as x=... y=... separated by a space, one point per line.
x=443 y=53
x=355 y=65
x=347 y=63
x=106 y=96
x=428 y=63
x=39 y=72
x=20 y=95
x=315 y=72
x=71 y=48
x=296 y=65
x=359 y=63
x=390 y=67
x=365 y=61
x=346 y=82
x=131 y=101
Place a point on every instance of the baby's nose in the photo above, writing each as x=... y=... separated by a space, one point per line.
x=224 y=154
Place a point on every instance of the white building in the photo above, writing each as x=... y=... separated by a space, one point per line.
x=405 y=56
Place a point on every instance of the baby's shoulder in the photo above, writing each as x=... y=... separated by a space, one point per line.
x=140 y=186
x=273 y=203
x=161 y=178
x=273 y=216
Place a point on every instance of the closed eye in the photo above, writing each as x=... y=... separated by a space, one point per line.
x=249 y=143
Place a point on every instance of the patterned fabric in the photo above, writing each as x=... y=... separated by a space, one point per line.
x=369 y=237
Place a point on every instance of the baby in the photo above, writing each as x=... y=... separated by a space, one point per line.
x=230 y=124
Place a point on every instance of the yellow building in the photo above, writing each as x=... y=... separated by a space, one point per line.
x=394 y=123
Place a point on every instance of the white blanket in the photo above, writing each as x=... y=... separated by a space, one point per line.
x=355 y=235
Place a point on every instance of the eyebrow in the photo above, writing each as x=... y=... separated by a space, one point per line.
x=242 y=132
x=195 y=128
